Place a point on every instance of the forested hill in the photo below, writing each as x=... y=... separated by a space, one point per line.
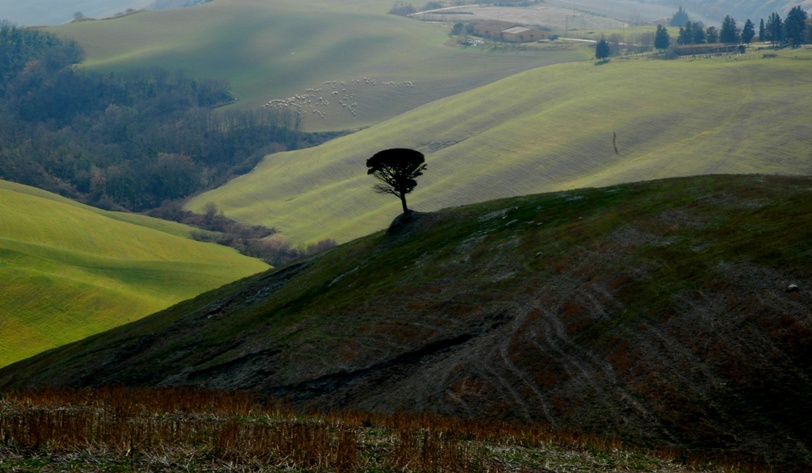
x=130 y=140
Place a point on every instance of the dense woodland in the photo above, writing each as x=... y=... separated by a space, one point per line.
x=121 y=140
x=139 y=141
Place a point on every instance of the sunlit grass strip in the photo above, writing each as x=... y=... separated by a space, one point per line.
x=70 y=271
x=121 y=428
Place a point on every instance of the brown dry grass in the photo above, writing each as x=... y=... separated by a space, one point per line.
x=125 y=429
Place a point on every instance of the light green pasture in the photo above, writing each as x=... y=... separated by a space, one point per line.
x=544 y=130
x=279 y=49
x=68 y=271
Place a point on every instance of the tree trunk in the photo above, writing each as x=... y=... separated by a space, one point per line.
x=403 y=202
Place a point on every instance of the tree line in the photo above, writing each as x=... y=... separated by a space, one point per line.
x=122 y=140
x=791 y=30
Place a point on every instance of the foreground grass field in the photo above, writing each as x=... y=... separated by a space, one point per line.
x=180 y=430
x=70 y=271
x=276 y=50
x=547 y=129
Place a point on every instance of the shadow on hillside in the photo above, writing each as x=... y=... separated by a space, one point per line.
x=406 y=225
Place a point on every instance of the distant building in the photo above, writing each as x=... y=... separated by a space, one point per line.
x=492 y=28
x=507 y=31
x=521 y=34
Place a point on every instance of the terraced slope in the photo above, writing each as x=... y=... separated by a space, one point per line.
x=673 y=313
x=547 y=129
x=69 y=271
x=284 y=48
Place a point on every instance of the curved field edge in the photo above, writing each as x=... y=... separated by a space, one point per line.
x=551 y=128
x=70 y=271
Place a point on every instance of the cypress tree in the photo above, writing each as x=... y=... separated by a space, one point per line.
x=748 y=31
x=775 y=29
x=602 y=50
x=661 y=39
x=729 y=32
x=680 y=18
x=794 y=25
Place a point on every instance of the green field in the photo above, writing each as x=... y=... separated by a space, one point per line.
x=70 y=271
x=547 y=129
x=277 y=50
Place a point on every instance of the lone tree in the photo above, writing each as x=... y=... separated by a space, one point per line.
x=602 y=50
x=397 y=168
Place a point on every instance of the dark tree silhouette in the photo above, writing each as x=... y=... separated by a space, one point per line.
x=680 y=18
x=661 y=39
x=397 y=168
x=730 y=32
x=748 y=32
x=602 y=50
x=794 y=25
x=775 y=29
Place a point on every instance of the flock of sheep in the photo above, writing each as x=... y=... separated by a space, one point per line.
x=316 y=101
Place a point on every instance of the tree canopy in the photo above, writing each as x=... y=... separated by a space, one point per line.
x=133 y=139
x=398 y=169
x=662 y=40
x=602 y=49
x=748 y=32
x=794 y=25
x=680 y=18
x=729 y=32
x=774 y=30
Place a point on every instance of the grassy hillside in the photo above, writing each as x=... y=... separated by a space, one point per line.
x=276 y=50
x=546 y=129
x=659 y=312
x=70 y=271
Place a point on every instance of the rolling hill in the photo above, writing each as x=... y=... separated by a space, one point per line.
x=70 y=270
x=278 y=50
x=546 y=129
x=672 y=313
